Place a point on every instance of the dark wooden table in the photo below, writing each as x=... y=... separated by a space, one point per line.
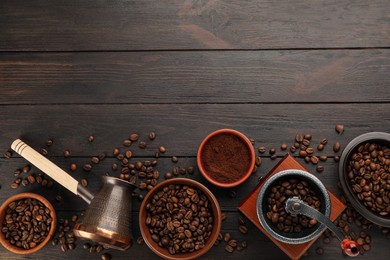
x=270 y=69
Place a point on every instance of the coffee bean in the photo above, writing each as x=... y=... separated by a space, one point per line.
x=283 y=147
x=152 y=135
x=307 y=136
x=320 y=147
x=87 y=167
x=84 y=182
x=140 y=240
x=106 y=256
x=44 y=152
x=162 y=149
x=309 y=150
x=54 y=241
x=114 y=166
x=73 y=167
x=273 y=157
x=258 y=161
x=232 y=194
x=298 y=138
x=243 y=229
x=302 y=153
x=168 y=175
x=366 y=247
x=324 y=141
x=26 y=168
x=336 y=147
x=99 y=248
x=319 y=250
x=306 y=142
x=190 y=170
x=261 y=149
x=339 y=129
x=115 y=152
x=323 y=158
x=134 y=137
x=229 y=249
x=95 y=159
x=320 y=168
x=272 y=151
x=17 y=172
x=326 y=240
x=174 y=159
x=293 y=149
x=49 y=142
x=314 y=159
x=127 y=143
x=233 y=243
x=226 y=237
x=241 y=221
x=66 y=153
x=91 y=138
x=7 y=154
x=31 y=179
x=142 y=144
x=336 y=158
x=244 y=244
x=86 y=246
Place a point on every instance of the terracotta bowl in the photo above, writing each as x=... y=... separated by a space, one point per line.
x=252 y=158
x=3 y=210
x=163 y=252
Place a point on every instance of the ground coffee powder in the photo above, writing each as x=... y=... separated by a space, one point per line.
x=226 y=158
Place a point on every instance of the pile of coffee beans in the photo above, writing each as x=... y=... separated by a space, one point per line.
x=276 y=212
x=27 y=223
x=369 y=176
x=179 y=218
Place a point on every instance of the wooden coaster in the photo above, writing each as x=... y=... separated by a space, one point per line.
x=248 y=208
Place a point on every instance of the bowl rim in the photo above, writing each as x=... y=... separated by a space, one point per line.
x=351 y=147
x=247 y=143
x=214 y=204
x=20 y=196
x=261 y=214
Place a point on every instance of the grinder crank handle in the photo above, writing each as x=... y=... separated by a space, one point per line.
x=52 y=170
x=296 y=206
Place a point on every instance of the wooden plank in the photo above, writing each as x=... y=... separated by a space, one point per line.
x=181 y=128
x=143 y=25
x=71 y=202
x=195 y=77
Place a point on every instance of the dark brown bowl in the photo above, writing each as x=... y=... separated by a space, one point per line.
x=3 y=211
x=162 y=252
x=372 y=137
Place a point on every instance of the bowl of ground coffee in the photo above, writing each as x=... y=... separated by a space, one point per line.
x=364 y=173
x=28 y=222
x=226 y=158
x=180 y=219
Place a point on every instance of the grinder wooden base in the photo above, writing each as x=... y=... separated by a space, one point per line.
x=248 y=208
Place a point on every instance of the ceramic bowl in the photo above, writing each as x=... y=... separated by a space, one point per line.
x=163 y=252
x=3 y=211
x=372 y=137
x=251 y=158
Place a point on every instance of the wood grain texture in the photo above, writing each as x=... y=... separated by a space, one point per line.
x=182 y=127
x=195 y=77
x=144 y=25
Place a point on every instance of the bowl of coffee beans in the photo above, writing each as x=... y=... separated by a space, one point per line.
x=28 y=222
x=364 y=173
x=226 y=158
x=180 y=219
x=271 y=204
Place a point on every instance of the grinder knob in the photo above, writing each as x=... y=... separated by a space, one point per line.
x=350 y=247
